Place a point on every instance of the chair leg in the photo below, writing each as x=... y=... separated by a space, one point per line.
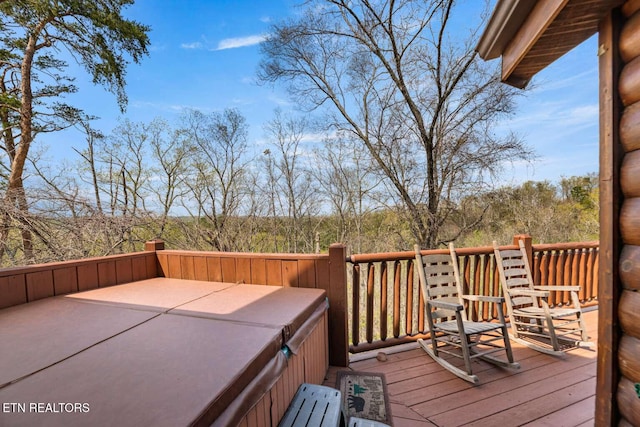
x=583 y=327
x=550 y=326
x=464 y=342
x=507 y=343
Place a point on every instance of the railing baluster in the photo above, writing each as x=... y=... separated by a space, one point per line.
x=384 y=283
x=486 y=287
x=370 y=285
x=477 y=287
x=582 y=274
x=373 y=296
x=409 y=310
x=396 y=299
x=496 y=285
x=355 y=305
x=592 y=272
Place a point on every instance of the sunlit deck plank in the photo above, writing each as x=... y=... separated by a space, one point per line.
x=547 y=390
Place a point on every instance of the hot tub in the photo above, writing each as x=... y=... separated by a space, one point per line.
x=161 y=352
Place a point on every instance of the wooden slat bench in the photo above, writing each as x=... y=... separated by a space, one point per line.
x=314 y=406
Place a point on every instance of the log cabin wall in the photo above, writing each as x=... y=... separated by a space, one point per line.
x=627 y=392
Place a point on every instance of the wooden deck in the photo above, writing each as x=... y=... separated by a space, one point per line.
x=546 y=391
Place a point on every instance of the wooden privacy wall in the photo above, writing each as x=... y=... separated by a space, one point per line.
x=20 y=285
x=628 y=394
x=303 y=271
x=323 y=271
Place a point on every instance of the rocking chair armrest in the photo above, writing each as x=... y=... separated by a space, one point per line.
x=484 y=298
x=445 y=305
x=558 y=288
x=529 y=292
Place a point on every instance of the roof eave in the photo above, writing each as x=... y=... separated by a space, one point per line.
x=506 y=19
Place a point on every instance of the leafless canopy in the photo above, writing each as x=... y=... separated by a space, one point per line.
x=397 y=77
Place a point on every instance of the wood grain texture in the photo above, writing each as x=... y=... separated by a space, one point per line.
x=630 y=128
x=630 y=38
x=629 y=313
x=629 y=361
x=630 y=174
x=609 y=65
x=630 y=82
x=628 y=401
x=630 y=221
x=630 y=267
x=630 y=7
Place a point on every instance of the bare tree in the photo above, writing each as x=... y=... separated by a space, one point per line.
x=348 y=182
x=170 y=151
x=293 y=195
x=217 y=182
x=420 y=103
x=116 y=167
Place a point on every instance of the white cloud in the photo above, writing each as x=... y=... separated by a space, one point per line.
x=584 y=114
x=167 y=107
x=280 y=101
x=236 y=42
x=265 y=19
x=194 y=45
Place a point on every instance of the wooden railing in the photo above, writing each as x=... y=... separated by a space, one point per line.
x=20 y=285
x=386 y=308
x=364 y=316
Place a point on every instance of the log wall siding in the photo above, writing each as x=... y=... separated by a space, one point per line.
x=629 y=266
x=386 y=307
x=21 y=285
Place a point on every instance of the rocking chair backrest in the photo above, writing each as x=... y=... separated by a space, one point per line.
x=513 y=266
x=438 y=280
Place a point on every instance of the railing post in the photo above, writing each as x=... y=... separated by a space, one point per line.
x=337 y=294
x=528 y=244
x=154 y=245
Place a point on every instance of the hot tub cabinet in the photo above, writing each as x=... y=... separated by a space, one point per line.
x=161 y=351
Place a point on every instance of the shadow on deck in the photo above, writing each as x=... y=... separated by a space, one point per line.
x=546 y=391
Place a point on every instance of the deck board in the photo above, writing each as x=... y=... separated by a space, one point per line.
x=546 y=391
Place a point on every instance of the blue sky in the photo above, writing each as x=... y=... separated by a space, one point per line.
x=204 y=55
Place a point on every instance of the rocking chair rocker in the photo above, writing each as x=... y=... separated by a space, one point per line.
x=533 y=322
x=451 y=333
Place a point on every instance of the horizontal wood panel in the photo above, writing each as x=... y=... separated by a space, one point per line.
x=628 y=402
x=629 y=313
x=629 y=173
x=630 y=267
x=630 y=128
x=630 y=38
x=629 y=84
x=628 y=359
x=630 y=221
x=630 y=7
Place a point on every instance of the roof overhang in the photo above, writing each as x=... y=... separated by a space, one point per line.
x=530 y=35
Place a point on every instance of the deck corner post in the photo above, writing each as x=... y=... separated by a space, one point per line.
x=337 y=294
x=153 y=266
x=154 y=245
